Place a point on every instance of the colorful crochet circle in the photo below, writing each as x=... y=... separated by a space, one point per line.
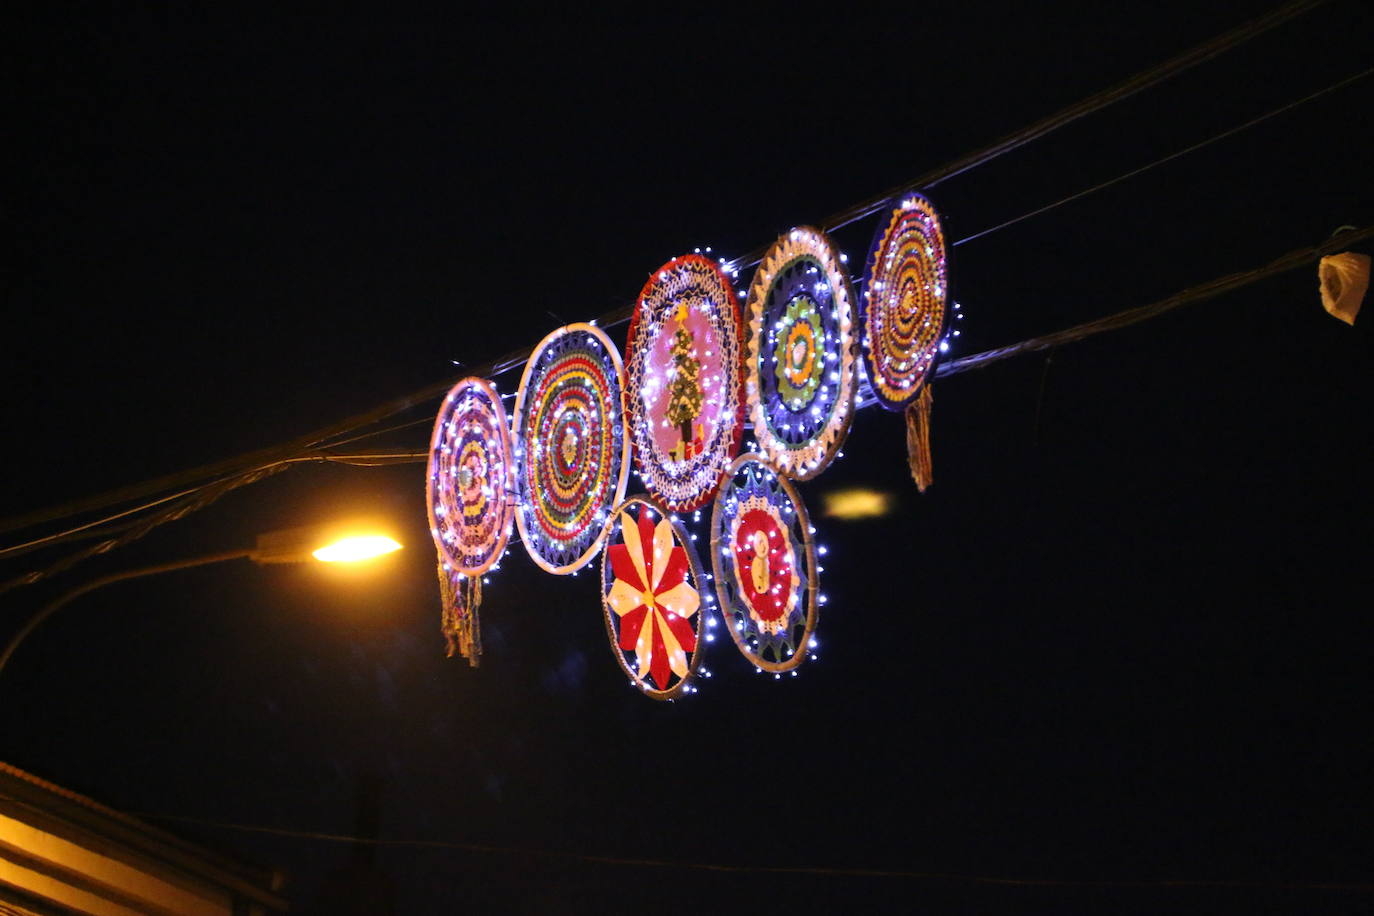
x=471 y=481
x=801 y=372
x=651 y=596
x=685 y=362
x=572 y=444
x=765 y=565
x=905 y=301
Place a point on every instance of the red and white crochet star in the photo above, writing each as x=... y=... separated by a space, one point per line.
x=651 y=596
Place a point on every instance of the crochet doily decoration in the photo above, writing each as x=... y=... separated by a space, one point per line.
x=652 y=596
x=764 y=561
x=571 y=445
x=905 y=301
x=800 y=365
x=684 y=360
x=470 y=497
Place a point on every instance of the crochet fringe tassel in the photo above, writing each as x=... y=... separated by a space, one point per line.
x=918 y=439
x=461 y=595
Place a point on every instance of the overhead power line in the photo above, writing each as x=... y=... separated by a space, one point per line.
x=268 y=456
x=1113 y=322
x=818 y=870
x=191 y=482
x=121 y=521
x=101 y=527
x=200 y=498
x=1096 y=102
x=1193 y=294
x=89 y=529
x=1230 y=132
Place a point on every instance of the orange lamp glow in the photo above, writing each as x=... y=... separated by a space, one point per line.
x=856 y=503
x=353 y=549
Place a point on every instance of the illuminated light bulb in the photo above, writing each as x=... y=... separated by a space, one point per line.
x=352 y=549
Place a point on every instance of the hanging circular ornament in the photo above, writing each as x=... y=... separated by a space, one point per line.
x=905 y=301
x=764 y=562
x=684 y=360
x=572 y=445
x=652 y=598
x=801 y=373
x=469 y=493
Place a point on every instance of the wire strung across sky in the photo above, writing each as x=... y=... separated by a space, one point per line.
x=1229 y=132
x=202 y=497
x=194 y=492
x=820 y=870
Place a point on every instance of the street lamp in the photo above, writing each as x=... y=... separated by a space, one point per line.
x=295 y=545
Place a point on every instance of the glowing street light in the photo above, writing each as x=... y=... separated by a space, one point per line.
x=328 y=544
x=294 y=545
x=353 y=549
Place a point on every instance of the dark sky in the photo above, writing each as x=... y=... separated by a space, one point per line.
x=1125 y=638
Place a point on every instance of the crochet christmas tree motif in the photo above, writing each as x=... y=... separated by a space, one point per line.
x=684 y=399
x=684 y=360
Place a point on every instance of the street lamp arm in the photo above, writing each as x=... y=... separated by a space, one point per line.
x=51 y=608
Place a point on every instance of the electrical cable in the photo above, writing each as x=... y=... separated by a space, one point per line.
x=71 y=533
x=203 y=497
x=1124 y=319
x=375 y=460
x=380 y=432
x=1045 y=209
x=836 y=872
x=273 y=454
x=1096 y=102
x=96 y=528
x=1169 y=158
x=1113 y=322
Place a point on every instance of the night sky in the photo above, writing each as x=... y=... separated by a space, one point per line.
x=1124 y=640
